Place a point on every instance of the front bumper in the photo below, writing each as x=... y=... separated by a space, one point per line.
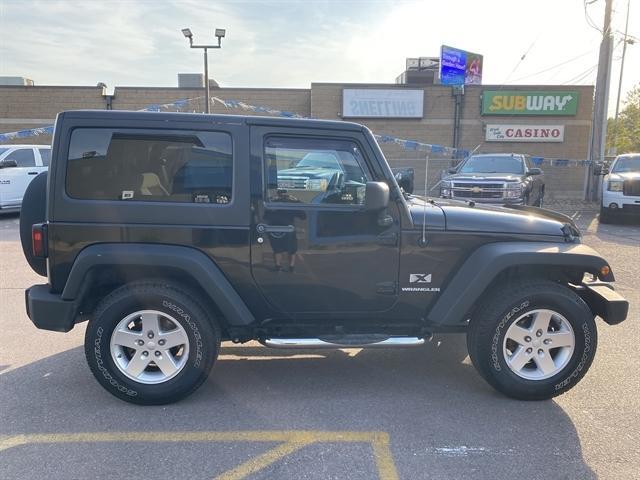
x=604 y=301
x=48 y=311
x=624 y=203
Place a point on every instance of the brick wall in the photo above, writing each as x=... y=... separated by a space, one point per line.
x=289 y=99
x=30 y=107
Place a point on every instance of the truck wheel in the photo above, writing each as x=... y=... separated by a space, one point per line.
x=605 y=215
x=151 y=343
x=533 y=340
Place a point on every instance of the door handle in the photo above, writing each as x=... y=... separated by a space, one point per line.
x=262 y=228
x=388 y=239
x=32 y=173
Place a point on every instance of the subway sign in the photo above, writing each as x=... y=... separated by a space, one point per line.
x=515 y=102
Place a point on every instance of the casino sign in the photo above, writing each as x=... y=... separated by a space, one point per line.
x=524 y=133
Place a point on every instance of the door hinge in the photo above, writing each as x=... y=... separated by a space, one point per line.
x=387 y=288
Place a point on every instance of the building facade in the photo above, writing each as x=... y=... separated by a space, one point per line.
x=550 y=122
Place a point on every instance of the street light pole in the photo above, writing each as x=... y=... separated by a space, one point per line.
x=219 y=33
x=206 y=80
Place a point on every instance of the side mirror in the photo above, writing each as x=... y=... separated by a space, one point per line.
x=453 y=170
x=600 y=169
x=8 y=164
x=376 y=196
x=405 y=182
x=534 y=171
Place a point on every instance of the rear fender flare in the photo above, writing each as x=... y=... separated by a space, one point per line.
x=190 y=261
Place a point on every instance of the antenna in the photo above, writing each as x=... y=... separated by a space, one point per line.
x=423 y=241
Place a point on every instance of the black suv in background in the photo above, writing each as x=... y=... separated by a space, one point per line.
x=170 y=233
x=501 y=178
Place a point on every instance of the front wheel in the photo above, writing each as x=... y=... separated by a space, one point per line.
x=605 y=215
x=151 y=343
x=533 y=340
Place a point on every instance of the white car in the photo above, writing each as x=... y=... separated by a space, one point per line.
x=621 y=187
x=19 y=164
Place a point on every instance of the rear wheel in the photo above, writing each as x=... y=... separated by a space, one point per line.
x=151 y=343
x=533 y=340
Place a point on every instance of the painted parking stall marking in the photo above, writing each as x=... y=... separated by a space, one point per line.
x=290 y=442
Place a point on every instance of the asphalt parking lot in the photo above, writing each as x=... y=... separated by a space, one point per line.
x=357 y=414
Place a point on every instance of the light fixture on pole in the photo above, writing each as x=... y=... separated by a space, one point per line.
x=219 y=33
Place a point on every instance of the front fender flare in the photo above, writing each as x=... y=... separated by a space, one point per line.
x=190 y=261
x=488 y=261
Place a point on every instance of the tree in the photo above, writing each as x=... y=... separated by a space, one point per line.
x=628 y=128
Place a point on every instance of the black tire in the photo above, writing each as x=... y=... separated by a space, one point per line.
x=605 y=215
x=202 y=331
x=540 y=202
x=501 y=309
x=33 y=210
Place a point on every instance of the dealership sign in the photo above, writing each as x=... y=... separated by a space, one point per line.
x=513 y=102
x=524 y=133
x=459 y=67
x=379 y=103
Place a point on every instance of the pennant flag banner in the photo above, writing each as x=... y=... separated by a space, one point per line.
x=32 y=132
x=411 y=145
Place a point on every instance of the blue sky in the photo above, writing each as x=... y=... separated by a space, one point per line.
x=293 y=43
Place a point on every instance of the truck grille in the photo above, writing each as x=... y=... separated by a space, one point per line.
x=292 y=183
x=477 y=190
x=631 y=188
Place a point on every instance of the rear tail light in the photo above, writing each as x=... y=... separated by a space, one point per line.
x=39 y=240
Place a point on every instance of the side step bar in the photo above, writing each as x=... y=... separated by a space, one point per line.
x=343 y=342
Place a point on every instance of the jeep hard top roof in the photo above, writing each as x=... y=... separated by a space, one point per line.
x=127 y=115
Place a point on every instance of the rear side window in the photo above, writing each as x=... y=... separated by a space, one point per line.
x=23 y=157
x=45 y=155
x=150 y=165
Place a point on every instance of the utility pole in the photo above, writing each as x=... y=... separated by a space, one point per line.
x=614 y=135
x=599 y=119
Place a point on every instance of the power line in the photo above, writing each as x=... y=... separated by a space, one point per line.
x=587 y=17
x=521 y=59
x=555 y=66
x=581 y=76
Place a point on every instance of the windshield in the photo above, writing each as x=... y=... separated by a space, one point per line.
x=320 y=160
x=493 y=164
x=627 y=164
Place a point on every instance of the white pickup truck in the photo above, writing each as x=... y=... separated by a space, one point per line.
x=19 y=164
x=621 y=188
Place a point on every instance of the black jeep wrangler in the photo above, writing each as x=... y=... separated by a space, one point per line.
x=171 y=233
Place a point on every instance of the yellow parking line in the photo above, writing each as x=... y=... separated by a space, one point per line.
x=261 y=461
x=384 y=459
x=291 y=441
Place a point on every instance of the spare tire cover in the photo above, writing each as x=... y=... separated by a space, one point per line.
x=34 y=206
